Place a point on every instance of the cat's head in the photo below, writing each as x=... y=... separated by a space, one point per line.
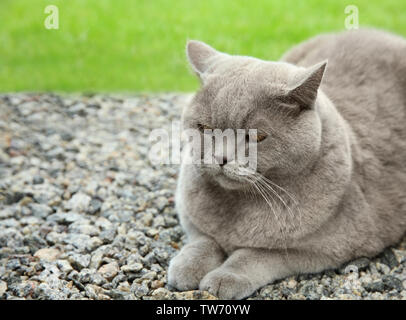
x=277 y=99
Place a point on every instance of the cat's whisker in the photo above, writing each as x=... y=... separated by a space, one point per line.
x=281 y=226
x=268 y=183
x=269 y=187
x=266 y=197
x=290 y=213
x=290 y=196
x=280 y=188
x=250 y=190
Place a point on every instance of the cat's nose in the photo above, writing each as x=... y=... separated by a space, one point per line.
x=221 y=161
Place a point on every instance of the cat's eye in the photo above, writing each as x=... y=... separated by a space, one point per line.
x=261 y=137
x=203 y=127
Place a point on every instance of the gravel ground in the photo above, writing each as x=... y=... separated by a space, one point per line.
x=84 y=215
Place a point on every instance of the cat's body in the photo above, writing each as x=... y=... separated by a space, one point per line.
x=340 y=193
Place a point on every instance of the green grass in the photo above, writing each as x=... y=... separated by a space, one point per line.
x=138 y=45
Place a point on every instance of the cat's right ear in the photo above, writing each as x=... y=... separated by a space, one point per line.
x=200 y=56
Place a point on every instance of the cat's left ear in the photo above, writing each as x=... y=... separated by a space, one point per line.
x=303 y=88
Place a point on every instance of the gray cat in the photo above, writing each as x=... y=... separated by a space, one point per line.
x=330 y=183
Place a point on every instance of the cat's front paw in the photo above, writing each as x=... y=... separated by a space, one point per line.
x=227 y=285
x=183 y=274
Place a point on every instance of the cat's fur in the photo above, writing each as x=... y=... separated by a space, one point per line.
x=341 y=155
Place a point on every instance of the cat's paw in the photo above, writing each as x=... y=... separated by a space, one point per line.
x=183 y=274
x=227 y=285
x=195 y=260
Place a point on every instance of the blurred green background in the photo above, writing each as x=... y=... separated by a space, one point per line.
x=138 y=45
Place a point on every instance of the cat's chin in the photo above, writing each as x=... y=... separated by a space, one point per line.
x=226 y=179
x=230 y=183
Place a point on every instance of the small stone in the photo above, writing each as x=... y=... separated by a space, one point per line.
x=382 y=268
x=103 y=223
x=147 y=219
x=97 y=257
x=78 y=108
x=194 y=295
x=47 y=254
x=161 y=294
x=79 y=261
x=400 y=254
x=159 y=222
x=38 y=180
x=64 y=266
x=3 y=287
x=65 y=218
x=94 y=206
x=109 y=271
x=150 y=275
x=134 y=267
x=54 y=237
x=79 y=202
x=84 y=228
x=292 y=284
x=78 y=285
x=107 y=236
x=44 y=291
x=118 y=295
x=360 y=264
x=92 y=291
x=389 y=258
x=14 y=197
x=25 y=201
x=156 y=284
x=152 y=232
x=66 y=136
x=85 y=275
x=120 y=278
x=139 y=290
x=56 y=153
x=97 y=279
x=161 y=256
x=376 y=286
x=391 y=282
x=83 y=242
x=40 y=210
x=124 y=286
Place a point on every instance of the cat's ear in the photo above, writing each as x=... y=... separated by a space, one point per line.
x=200 y=56
x=303 y=88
